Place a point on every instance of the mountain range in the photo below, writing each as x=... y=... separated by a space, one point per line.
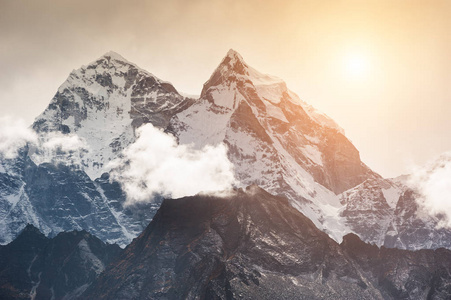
x=274 y=140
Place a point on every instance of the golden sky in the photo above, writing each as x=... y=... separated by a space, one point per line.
x=381 y=69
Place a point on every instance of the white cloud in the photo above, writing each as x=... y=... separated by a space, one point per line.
x=56 y=147
x=53 y=147
x=64 y=142
x=433 y=182
x=14 y=134
x=156 y=164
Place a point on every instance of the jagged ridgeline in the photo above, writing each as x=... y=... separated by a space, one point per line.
x=274 y=140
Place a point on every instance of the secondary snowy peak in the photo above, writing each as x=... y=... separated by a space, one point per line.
x=100 y=105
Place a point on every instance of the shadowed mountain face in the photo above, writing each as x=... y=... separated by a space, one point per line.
x=253 y=245
x=33 y=266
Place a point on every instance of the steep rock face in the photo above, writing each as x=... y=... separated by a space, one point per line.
x=261 y=106
x=33 y=266
x=253 y=245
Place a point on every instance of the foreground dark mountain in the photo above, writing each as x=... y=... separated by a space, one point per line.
x=253 y=245
x=35 y=267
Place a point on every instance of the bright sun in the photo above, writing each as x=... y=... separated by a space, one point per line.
x=356 y=65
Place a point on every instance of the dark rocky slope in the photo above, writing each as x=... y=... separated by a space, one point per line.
x=253 y=245
x=36 y=267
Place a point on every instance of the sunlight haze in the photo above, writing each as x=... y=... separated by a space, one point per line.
x=380 y=69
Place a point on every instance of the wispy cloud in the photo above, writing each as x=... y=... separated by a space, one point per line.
x=64 y=142
x=156 y=164
x=433 y=182
x=57 y=147
x=44 y=147
x=14 y=135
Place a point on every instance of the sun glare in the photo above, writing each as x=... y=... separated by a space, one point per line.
x=356 y=65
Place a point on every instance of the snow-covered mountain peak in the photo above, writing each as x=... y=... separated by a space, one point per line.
x=102 y=103
x=274 y=140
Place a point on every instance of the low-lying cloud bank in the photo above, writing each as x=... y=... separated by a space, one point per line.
x=156 y=164
x=433 y=182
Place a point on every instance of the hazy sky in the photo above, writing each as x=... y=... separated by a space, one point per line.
x=381 y=69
